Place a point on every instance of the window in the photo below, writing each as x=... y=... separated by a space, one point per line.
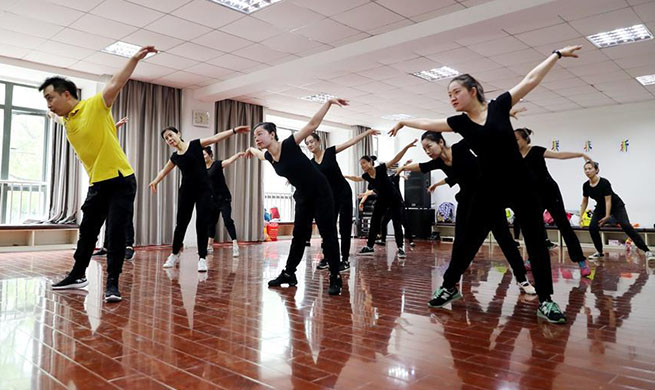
x=25 y=134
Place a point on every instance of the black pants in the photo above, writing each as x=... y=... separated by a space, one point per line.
x=618 y=215
x=343 y=207
x=479 y=220
x=129 y=233
x=553 y=202
x=397 y=210
x=224 y=207
x=187 y=198
x=385 y=221
x=111 y=200
x=318 y=205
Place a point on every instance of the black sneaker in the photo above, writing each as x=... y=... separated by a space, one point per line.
x=335 y=284
x=344 y=266
x=323 y=264
x=549 y=311
x=308 y=243
x=284 y=278
x=129 y=253
x=101 y=252
x=380 y=242
x=550 y=244
x=401 y=253
x=111 y=292
x=444 y=296
x=70 y=282
x=366 y=251
x=412 y=244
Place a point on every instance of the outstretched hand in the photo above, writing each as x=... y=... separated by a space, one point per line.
x=373 y=132
x=144 y=51
x=517 y=110
x=433 y=187
x=394 y=131
x=412 y=144
x=153 y=187
x=569 y=51
x=121 y=122
x=242 y=129
x=339 y=102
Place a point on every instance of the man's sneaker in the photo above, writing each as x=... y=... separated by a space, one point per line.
x=366 y=251
x=70 y=282
x=584 y=269
x=283 y=278
x=444 y=296
x=549 y=311
x=527 y=288
x=597 y=255
x=129 y=253
x=202 y=265
x=344 y=266
x=111 y=292
x=172 y=259
x=235 y=250
x=528 y=266
x=401 y=253
x=335 y=284
x=323 y=264
x=380 y=242
x=101 y=252
x=412 y=244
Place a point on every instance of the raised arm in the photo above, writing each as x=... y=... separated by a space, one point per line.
x=121 y=122
x=532 y=79
x=254 y=152
x=117 y=81
x=565 y=155
x=316 y=120
x=402 y=153
x=433 y=187
x=355 y=139
x=354 y=178
x=218 y=137
x=161 y=175
x=226 y=163
x=436 y=125
x=410 y=167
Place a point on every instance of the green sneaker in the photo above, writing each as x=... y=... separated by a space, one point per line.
x=444 y=296
x=549 y=311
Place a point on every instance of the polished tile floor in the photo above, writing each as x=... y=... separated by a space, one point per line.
x=178 y=329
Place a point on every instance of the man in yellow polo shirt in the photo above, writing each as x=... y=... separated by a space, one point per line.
x=90 y=130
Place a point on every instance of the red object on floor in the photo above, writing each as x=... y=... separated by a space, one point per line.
x=272 y=230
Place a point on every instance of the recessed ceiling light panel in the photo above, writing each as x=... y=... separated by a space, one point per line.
x=397 y=117
x=124 y=49
x=436 y=73
x=245 y=6
x=648 y=79
x=318 y=98
x=621 y=36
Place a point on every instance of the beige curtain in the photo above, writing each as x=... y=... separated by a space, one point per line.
x=64 y=192
x=244 y=177
x=150 y=108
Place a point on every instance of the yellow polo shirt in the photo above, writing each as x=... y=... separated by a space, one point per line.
x=90 y=129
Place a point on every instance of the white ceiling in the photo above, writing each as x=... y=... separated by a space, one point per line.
x=361 y=50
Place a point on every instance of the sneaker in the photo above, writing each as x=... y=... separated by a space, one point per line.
x=401 y=253
x=235 y=250
x=101 y=252
x=210 y=249
x=412 y=244
x=344 y=266
x=202 y=265
x=528 y=266
x=444 y=296
x=380 y=242
x=597 y=255
x=111 y=292
x=366 y=251
x=585 y=271
x=527 y=288
x=70 y=282
x=549 y=311
x=335 y=284
x=172 y=259
x=129 y=253
x=323 y=264
x=283 y=278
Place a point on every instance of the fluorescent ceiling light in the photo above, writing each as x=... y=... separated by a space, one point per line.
x=437 y=73
x=621 y=36
x=318 y=98
x=245 y=6
x=124 y=49
x=397 y=117
x=648 y=79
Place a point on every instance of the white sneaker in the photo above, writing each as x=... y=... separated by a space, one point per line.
x=650 y=256
x=210 y=249
x=172 y=259
x=597 y=255
x=235 y=249
x=527 y=288
x=202 y=265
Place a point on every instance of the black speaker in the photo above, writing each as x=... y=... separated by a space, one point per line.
x=416 y=190
x=420 y=222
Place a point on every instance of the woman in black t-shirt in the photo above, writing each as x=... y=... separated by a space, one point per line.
x=608 y=205
x=222 y=197
x=549 y=193
x=326 y=162
x=313 y=196
x=194 y=190
x=487 y=129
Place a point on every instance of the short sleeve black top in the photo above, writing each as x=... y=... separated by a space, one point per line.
x=501 y=164
x=598 y=193
x=536 y=163
x=193 y=167
x=465 y=169
x=330 y=168
x=382 y=183
x=296 y=167
x=217 y=181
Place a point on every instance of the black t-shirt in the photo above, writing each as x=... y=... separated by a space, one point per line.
x=598 y=193
x=330 y=168
x=193 y=167
x=298 y=170
x=382 y=184
x=217 y=181
x=502 y=166
x=536 y=163
x=465 y=169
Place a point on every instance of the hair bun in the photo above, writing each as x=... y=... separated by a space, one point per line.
x=374 y=158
